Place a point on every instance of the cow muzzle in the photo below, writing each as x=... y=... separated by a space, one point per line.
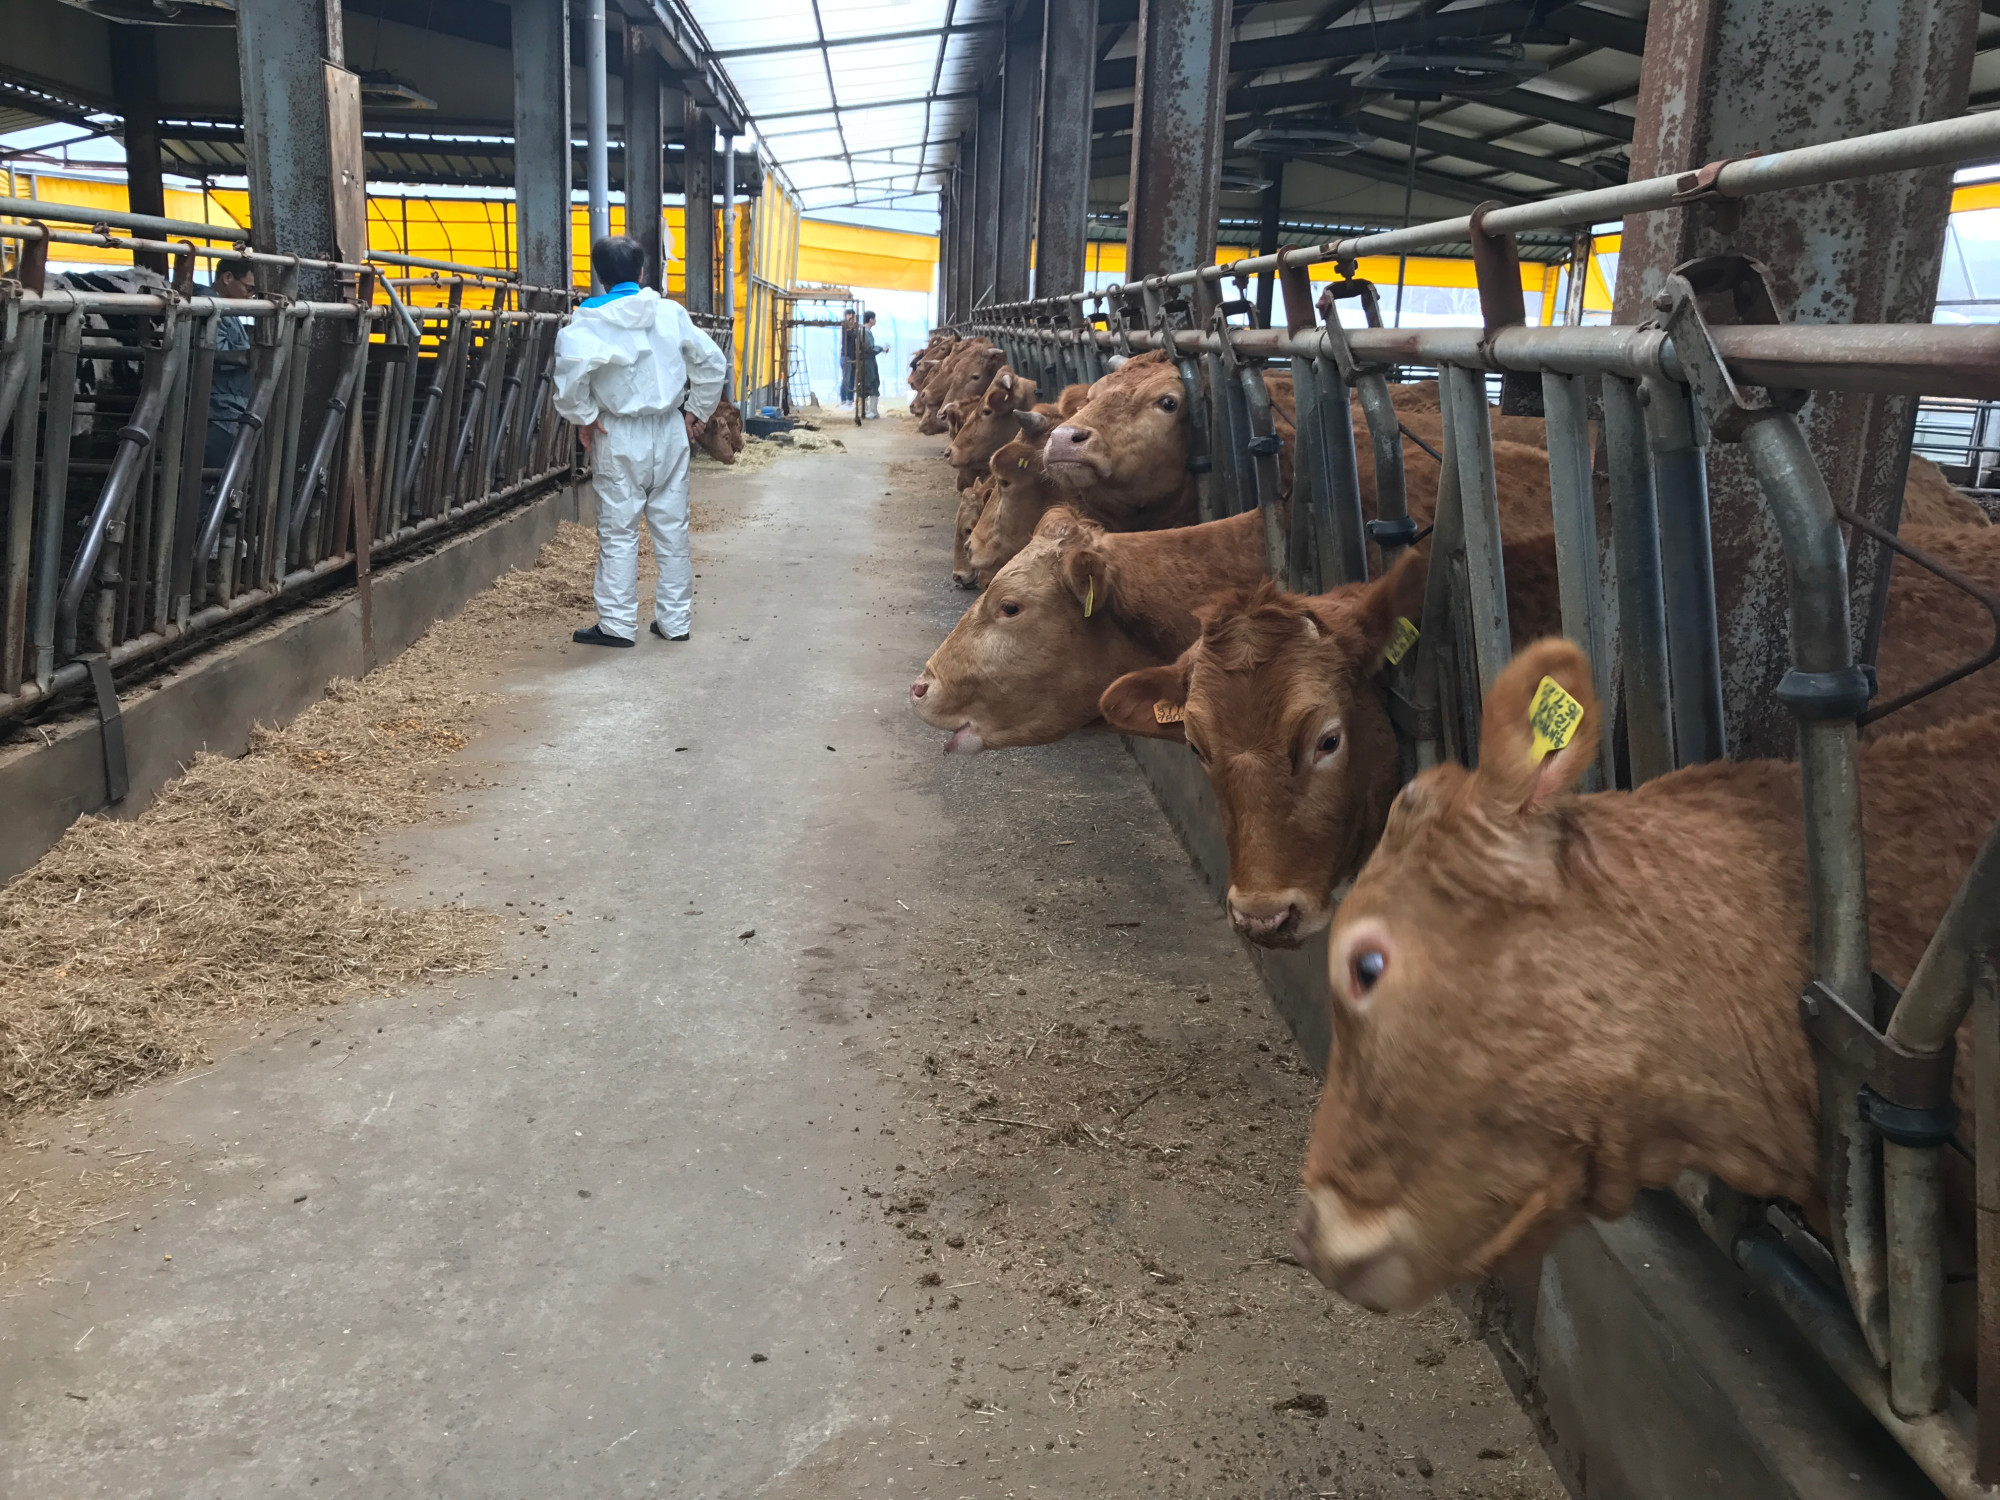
x=1071 y=445
x=1360 y=1263
x=1275 y=919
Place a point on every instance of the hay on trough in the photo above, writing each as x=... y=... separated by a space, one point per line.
x=243 y=888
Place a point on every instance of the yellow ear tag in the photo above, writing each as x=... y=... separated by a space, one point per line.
x=1400 y=640
x=1089 y=595
x=1020 y=463
x=1553 y=717
x=1168 y=713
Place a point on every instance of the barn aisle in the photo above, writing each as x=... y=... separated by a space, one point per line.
x=841 y=1120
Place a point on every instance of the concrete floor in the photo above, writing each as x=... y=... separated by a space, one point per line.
x=599 y=1223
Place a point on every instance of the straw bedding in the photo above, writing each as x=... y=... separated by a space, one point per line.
x=244 y=888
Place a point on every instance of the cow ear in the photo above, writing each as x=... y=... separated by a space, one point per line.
x=1539 y=731
x=1072 y=399
x=1086 y=576
x=1000 y=394
x=1151 y=702
x=1392 y=605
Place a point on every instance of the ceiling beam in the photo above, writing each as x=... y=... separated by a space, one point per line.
x=1600 y=28
x=855 y=109
x=962 y=28
x=1466 y=148
x=1442 y=184
x=1551 y=110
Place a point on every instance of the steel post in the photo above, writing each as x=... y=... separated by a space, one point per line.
x=1579 y=565
x=1471 y=437
x=1069 y=63
x=729 y=251
x=135 y=91
x=986 y=195
x=1273 y=168
x=698 y=193
x=541 y=142
x=597 y=123
x=1177 y=109
x=645 y=147
x=1705 y=96
x=299 y=105
x=1020 y=86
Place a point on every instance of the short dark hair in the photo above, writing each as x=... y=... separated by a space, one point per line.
x=618 y=258
x=239 y=266
x=868 y=317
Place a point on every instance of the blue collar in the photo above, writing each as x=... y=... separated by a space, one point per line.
x=623 y=289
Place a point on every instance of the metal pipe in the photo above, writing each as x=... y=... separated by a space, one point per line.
x=330 y=429
x=1578 y=556
x=22 y=401
x=83 y=213
x=134 y=440
x=248 y=430
x=1816 y=585
x=55 y=492
x=1936 y=1442
x=597 y=111
x=1986 y=1208
x=1471 y=434
x=1935 y=1000
x=1642 y=608
x=1687 y=561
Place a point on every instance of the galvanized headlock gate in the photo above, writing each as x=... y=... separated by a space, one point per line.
x=412 y=421
x=1716 y=364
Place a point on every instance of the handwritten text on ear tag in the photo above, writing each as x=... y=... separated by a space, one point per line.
x=1401 y=639
x=1553 y=717
x=1168 y=713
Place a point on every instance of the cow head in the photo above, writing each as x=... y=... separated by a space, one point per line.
x=962 y=377
x=722 y=434
x=1278 y=698
x=1466 y=1111
x=988 y=423
x=973 y=501
x=1022 y=495
x=1027 y=662
x=1127 y=444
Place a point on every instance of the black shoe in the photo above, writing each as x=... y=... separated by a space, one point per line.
x=597 y=635
x=664 y=636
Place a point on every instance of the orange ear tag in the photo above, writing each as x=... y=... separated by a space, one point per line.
x=1553 y=717
x=1169 y=713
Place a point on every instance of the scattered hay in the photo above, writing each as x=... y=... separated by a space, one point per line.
x=807 y=441
x=243 y=889
x=58 y=1203
x=757 y=454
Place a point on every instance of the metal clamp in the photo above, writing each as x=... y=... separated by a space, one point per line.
x=1841 y=694
x=1341 y=351
x=1691 y=187
x=1909 y=1091
x=1729 y=411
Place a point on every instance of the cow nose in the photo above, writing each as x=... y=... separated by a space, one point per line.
x=1065 y=443
x=919 y=688
x=1305 y=1237
x=1263 y=921
x=964 y=581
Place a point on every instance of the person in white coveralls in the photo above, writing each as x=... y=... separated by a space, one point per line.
x=638 y=380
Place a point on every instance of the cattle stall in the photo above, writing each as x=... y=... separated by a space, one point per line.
x=415 y=405
x=1634 y=415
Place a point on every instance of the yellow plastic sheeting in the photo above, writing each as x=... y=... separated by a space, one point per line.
x=852 y=255
x=218 y=208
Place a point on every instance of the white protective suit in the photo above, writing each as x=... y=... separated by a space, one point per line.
x=632 y=363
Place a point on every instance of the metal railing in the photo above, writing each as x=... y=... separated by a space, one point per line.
x=1641 y=603
x=163 y=483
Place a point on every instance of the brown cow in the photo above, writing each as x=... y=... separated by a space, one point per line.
x=1075 y=609
x=1278 y=698
x=1258 y=682
x=1545 y=1002
x=961 y=376
x=988 y=423
x=1022 y=495
x=973 y=501
x=722 y=434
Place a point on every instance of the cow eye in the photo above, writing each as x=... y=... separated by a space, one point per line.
x=1010 y=609
x=1328 y=744
x=1365 y=967
x=1170 y=403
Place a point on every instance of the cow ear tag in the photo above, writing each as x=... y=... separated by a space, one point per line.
x=1553 y=717
x=1089 y=595
x=1020 y=463
x=1169 y=713
x=1401 y=639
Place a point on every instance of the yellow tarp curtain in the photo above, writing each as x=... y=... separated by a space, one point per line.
x=853 y=256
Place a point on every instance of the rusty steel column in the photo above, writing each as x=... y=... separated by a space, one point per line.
x=986 y=196
x=698 y=190
x=947 y=259
x=135 y=93
x=645 y=149
x=541 y=141
x=963 y=214
x=1020 y=87
x=302 y=135
x=1062 y=201
x=1176 y=135
x=1729 y=78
